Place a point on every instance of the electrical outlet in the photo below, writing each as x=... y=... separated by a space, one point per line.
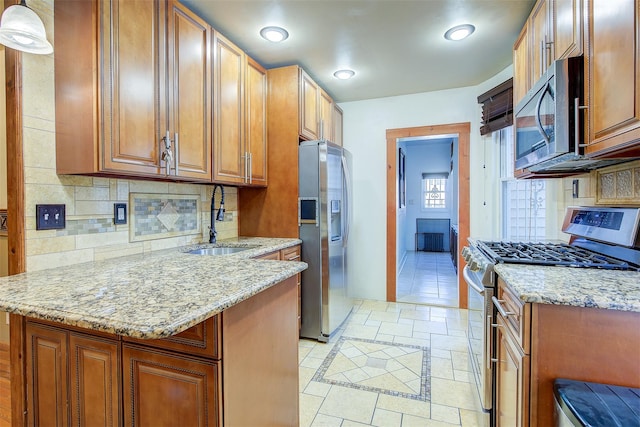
x=50 y=217
x=574 y=188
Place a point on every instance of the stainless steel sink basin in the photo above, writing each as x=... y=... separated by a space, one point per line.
x=218 y=250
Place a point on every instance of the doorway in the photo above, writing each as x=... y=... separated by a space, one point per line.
x=426 y=272
x=462 y=132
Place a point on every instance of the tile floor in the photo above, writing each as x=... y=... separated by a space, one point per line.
x=390 y=365
x=428 y=278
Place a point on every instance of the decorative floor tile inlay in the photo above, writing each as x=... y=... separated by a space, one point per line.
x=381 y=367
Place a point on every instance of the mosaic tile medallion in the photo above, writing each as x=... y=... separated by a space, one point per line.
x=157 y=216
x=381 y=367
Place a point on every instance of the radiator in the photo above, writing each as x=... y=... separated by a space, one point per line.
x=431 y=242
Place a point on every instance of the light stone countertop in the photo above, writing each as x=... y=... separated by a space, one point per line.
x=579 y=287
x=152 y=295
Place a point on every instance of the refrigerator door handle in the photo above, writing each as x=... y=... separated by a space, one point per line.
x=346 y=173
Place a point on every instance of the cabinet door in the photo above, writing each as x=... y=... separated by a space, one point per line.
x=337 y=125
x=153 y=379
x=521 y=66
x=309 y=114
x=133 y=83
x=512 y=380
x=46 y=365
x=326 y=116
x=190 y=92
x=539 y=24
x=256 y=110
x=228 y=142
x=614 y=76
x=94 y=366
x=567 y=28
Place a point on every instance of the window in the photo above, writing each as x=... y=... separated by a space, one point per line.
x=434 y=190
x=523 y=200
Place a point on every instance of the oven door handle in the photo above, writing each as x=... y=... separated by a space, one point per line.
x=538 y=115
x=471 y=282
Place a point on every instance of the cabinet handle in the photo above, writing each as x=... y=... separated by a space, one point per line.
x=167 y=156
x=250 y=171
x=177 y=153
x=541 y=57
x=576 y=123
x=245 y=159
x=498 y=303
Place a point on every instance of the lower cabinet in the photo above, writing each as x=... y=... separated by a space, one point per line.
x=512 y=379
x=79 y=377
x=154 y=381
x=538 y=343
x=90 y=395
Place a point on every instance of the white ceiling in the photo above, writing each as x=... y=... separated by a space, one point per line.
x=396 y=47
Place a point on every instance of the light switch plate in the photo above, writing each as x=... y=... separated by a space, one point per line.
x=119 y=213
x=50 y=217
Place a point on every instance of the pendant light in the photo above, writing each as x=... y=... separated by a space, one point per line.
x=22 y=29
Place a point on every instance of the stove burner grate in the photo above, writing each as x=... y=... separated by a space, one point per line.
x=548 y=254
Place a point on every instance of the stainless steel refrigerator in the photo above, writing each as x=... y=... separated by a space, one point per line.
x=324 y=217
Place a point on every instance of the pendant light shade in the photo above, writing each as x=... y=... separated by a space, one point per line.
x=22 y=29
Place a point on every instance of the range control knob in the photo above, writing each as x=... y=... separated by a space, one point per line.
x=474 y=266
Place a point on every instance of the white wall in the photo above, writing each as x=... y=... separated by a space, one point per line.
x=365 y=125
x=427 y=157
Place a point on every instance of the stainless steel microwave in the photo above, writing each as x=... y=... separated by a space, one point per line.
x=547 y=129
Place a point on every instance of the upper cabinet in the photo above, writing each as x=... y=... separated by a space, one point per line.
x=137 y=103
x=607 y=33
x=554 y=30
x=337 y=124
x=613 y=67
x=309 y=113
x=326 y=116
x=240 y=138
x=316 y=111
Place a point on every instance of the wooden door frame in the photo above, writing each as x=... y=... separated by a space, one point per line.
x=463 y=132
x=15 y=158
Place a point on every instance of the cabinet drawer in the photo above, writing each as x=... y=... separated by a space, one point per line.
x=290 y=254
x=517 y=315
x=202 y=339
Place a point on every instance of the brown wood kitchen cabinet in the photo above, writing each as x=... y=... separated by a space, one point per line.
x=537 y=343
x=553 y=30
x=215 y=370
x=289 y=254
x=129 y=101
x=309 y=111
x=292 y=111
x=613 y=76
x=240 y=137
x=337 y=124
x=73 y=377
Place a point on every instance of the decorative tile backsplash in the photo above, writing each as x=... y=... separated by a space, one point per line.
x=618 y=185
x=160 y=215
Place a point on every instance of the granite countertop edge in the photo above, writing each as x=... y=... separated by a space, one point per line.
x=149 y=296
x=578 y=287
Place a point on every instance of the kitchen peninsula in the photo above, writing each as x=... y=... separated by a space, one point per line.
x=163 y=338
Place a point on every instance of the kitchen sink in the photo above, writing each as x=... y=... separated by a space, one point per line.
x=225 y=250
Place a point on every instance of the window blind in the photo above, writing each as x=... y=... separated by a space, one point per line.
x=497 y=107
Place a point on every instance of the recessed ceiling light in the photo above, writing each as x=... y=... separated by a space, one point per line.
x=344 y=74
x=459 y=32
x=274 y=34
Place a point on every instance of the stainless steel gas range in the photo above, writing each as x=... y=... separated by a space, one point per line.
x=606 y=238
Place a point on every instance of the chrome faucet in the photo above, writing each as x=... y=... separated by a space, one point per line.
x=216 y=217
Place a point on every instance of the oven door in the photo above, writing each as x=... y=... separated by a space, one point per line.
x=480 y=336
